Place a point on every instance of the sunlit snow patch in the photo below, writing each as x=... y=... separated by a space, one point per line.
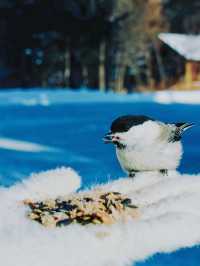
x=186 y=97
x=25 y=146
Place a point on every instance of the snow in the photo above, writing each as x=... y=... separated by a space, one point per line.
x=185 y=44
x=185 y=97
x=169 y=220
x=18 y=145
x=46 y=98
x=62 y=120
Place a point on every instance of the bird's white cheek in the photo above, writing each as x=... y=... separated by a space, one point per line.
x=124 y=139
x=128 y=139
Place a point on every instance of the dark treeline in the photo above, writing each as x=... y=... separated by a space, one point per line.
x=92 y=43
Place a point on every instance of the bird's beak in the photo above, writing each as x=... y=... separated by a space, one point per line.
x=108 y=138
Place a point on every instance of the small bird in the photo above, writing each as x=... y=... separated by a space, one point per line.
x=145 y=144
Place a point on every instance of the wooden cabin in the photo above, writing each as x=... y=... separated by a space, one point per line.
x=187 y=46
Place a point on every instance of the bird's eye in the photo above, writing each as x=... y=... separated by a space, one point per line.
x=117 y=137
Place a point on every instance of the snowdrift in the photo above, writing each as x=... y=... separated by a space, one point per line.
x=169 y=220
x=47 y=97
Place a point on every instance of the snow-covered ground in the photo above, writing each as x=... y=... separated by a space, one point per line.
x=169 y=217
x=52 y=97
x=186 y=97
x=42 y=130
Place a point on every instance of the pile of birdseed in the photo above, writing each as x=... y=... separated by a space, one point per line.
x=91 y=208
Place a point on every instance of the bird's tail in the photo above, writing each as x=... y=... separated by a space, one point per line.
x=184 y=126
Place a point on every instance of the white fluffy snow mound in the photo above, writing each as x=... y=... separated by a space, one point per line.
x=170 y=219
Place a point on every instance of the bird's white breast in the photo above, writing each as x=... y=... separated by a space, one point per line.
x=151 y=157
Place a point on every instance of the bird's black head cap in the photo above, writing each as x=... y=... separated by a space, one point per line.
x=124 y=123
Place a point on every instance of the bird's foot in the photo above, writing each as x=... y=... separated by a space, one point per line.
x=164 y=171
x=132 y=173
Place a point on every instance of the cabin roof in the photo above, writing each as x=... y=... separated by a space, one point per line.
x=186 y=45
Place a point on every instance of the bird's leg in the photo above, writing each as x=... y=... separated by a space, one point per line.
x=132 y=173
x=164 y=171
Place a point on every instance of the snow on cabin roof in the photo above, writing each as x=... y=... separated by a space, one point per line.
x=186 y=45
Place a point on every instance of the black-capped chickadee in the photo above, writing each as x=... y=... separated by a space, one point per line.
x=145 y=144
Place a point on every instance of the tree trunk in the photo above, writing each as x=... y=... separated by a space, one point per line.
x=67 y=68
x=110 y=60
x=102 y=84
x=160 y=65
x=76 y=70
x=93 y=68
